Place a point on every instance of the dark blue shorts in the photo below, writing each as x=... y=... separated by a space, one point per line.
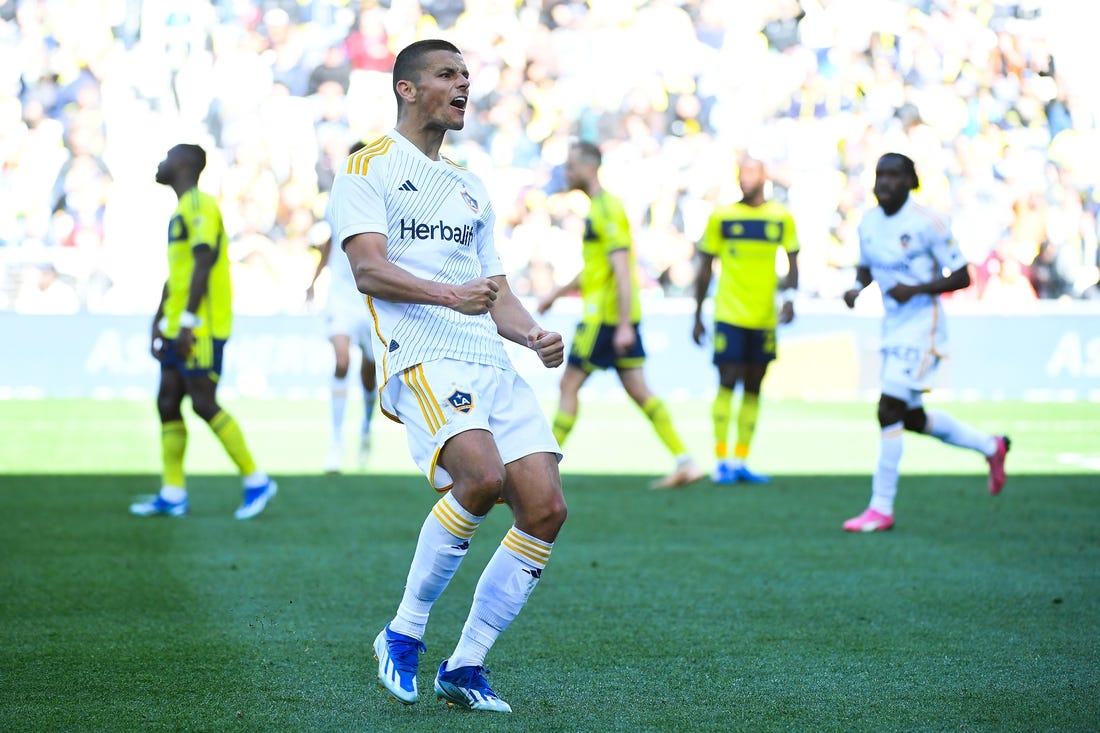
x=736 y=345
x=593 y=349
x=205 y=360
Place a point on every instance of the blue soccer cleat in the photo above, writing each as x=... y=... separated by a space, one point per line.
x=255 y=499
x=723 y=473
x=159 y=506
x=398 y=657
x=727 y=473
x=745 y=476
x=467 y=688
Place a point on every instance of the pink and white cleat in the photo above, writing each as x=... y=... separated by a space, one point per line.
x=996 y=462
x=870 y=521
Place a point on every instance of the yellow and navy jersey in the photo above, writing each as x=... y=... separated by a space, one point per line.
x=606 y=230
x=197 y=221
x=746 y=239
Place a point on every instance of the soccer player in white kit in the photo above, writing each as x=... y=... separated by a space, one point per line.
x=347 y=322
x=418 y=232
x=906 y=249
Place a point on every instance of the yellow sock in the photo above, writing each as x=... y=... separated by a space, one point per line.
x=659 y=415
x=173 y=444
x=232 y=439
x=746 y=424
x=563 y=425
x=720 y=414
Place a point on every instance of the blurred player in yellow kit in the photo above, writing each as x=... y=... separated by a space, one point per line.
x=189 y=332
x=744 y=237
x=608 y=336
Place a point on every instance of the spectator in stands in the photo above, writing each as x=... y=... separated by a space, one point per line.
x=983 y=102
x=45 y=292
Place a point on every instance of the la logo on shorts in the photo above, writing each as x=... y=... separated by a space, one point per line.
x=461 y=401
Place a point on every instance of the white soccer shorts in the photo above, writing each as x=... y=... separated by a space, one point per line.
x=439 y=399
x=908 y=372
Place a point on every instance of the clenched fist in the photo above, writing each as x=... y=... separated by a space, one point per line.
x=548 y=345
x=476 y=296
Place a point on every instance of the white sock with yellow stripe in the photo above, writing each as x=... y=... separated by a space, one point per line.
x=507 y=581
x=443 y=542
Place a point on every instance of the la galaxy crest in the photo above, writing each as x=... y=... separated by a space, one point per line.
x=462 y=401
x=470 y=201
x=905 y=240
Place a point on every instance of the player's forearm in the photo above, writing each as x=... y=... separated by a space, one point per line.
x=957 y=280
x=386 y=281
x=322 y=262
x=791 y=282
x=200 y=278
x=569 y=287
x=513 y=321
x=703 y=275
x=624 y=298
x=160 y=306
x=624 y=285
x=702 y=285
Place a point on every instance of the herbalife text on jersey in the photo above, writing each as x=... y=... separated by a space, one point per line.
x=461 y=235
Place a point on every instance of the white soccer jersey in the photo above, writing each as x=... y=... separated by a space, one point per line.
x=911 y=247
x=438 y=224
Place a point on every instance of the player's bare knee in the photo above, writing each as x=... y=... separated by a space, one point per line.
x=552 y=513
x=485 y=484
x=542 y=519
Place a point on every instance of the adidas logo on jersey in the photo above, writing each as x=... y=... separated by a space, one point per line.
x=407 y=186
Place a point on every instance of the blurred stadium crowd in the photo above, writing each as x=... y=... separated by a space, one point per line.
x=993 y=99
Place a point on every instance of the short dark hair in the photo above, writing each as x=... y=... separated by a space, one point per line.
x=907 y=166
x=589 y=151
x=195 y=156
x=410 y=62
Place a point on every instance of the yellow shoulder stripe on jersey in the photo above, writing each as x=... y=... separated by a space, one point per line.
x=448 y=161
x=359 y=161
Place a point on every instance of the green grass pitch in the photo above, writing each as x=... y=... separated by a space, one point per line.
x=705 y=609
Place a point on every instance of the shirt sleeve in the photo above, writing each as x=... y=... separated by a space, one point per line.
x=790 y=235
x=709 y=243
x=491 y=266
x=204 y=223
x=861 y=234
x=617 y=233
x=944 y=249
x=357 y=205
